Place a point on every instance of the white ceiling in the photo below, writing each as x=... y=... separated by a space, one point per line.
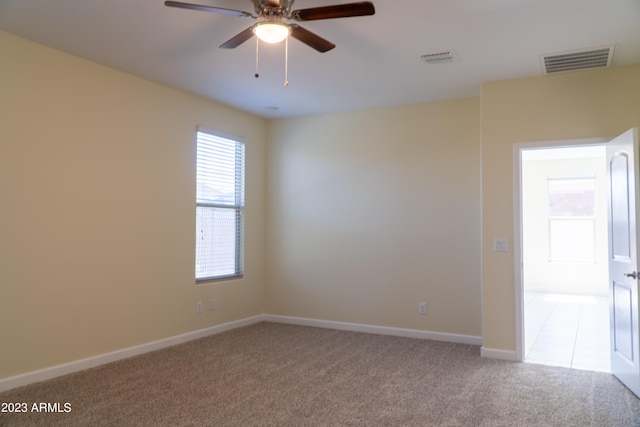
x=377 y=61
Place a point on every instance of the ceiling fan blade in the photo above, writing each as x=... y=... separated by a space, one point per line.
x=208 y=9
x=310 y=39
x=238 y=39
x=336 y=11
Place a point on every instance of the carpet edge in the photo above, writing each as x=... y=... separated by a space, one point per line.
x=375 y=329
x=31 y=377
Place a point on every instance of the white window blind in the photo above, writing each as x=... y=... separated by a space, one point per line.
x=219 y=207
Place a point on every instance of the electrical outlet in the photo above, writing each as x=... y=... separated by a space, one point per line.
x=199 y=307
x=214 y=304
x=422 y=308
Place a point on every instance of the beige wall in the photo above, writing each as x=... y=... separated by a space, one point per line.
x=586 y=104
x=371 y=212
x=97 y=219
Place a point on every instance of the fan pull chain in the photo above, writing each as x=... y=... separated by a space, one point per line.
x=286 y=61
x=257 y=54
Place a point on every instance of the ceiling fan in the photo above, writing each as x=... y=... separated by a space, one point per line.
x=271 y=14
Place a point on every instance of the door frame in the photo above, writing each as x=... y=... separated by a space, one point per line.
x=518 y=148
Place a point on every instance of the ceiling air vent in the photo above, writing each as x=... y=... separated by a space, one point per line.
x=577 y=60
x=443 y=57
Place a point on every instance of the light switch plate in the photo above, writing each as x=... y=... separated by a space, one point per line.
x=500 y=245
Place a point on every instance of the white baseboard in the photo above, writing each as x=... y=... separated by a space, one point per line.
x=372 y=329
x=91 y=362
x=492 y=353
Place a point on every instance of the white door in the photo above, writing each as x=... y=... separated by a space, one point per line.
x=622 y=164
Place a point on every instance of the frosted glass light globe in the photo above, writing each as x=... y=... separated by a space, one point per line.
x=270 y=32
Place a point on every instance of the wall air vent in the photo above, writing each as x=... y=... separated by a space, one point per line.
x=577 y=60
x=443 y=57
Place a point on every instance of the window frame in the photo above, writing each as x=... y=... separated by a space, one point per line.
x=238 y=206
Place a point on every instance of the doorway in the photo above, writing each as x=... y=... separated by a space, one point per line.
x=564 y=300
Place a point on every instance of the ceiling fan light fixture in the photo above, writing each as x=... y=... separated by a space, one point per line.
x=272 y=32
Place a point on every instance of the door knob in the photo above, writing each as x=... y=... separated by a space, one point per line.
x=632 y=275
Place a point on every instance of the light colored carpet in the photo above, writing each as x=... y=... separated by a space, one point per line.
x=282 y=375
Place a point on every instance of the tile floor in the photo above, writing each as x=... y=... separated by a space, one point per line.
x=567 y=330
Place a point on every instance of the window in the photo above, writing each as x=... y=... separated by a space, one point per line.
x=219 y=207
x=572 y=219
x=572 y=197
